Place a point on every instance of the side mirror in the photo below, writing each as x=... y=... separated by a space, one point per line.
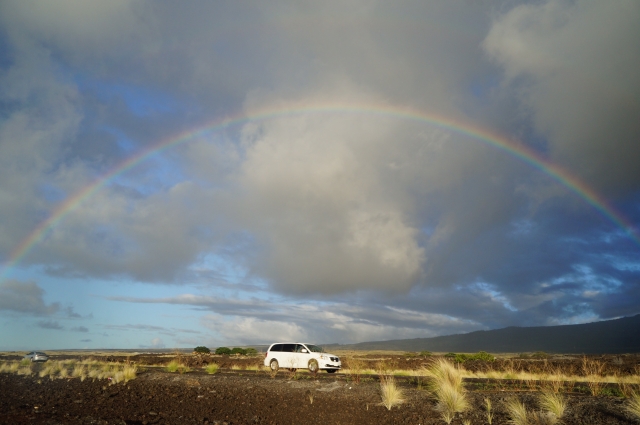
x=304 y=350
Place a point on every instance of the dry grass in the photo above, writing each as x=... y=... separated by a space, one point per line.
x=633 y=405
x=446 y=385
x=542 y=418
x=355 y=370
x=212 y=368
x=517 y=412
x=391 y=394
x=553 y=403
x=487 y=405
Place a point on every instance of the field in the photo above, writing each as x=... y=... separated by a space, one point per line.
x=373 y=388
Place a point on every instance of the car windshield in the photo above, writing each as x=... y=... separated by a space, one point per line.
x=315 y=348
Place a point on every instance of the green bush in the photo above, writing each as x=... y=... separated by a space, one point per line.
x=540 y=355
x=425 y=353
x=238 y=350
x=483 y=355
x=480 y=355
x=251 y=352
x=202 y=349
x=223 y=350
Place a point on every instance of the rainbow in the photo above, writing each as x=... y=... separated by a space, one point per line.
x=488 y=137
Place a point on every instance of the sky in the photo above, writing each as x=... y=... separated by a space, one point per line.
x=177 y=174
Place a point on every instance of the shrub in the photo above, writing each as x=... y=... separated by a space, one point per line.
x=223 y=350
x=201 y=349
x=540 y=355
x=425 y=353
x=238 y=350
x=251 y=351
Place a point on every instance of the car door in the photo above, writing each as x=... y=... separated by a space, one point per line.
x=288 y=356
x=300 y=359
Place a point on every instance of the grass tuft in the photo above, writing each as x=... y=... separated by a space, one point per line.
x=633 y=405
x=391 y=394
x=553 y=403
x=516 y=411
x=212 y=368
x=487 y=404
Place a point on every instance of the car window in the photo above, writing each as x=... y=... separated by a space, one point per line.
x=289 y=348
x=315 y=348
x=299 y=348
x=276 y=347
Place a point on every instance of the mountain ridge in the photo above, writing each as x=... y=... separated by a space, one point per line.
x=614 y=336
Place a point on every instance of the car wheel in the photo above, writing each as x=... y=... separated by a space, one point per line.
x=313 y=365
x=274 y=365
x=331 y=370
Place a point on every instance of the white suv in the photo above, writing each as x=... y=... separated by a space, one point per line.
x=297 y=355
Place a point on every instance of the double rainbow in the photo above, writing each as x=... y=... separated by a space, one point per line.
x=488 y=137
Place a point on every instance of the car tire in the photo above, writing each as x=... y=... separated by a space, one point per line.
x=331 y=370
x=274 y=365
x=313 y=366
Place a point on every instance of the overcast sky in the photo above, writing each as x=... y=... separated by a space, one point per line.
x=175 y=174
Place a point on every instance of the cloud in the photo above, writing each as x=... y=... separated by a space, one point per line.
x=25 y=297
x=50 y=324
x=565 y=63
x=80 y=329
x=85 y=340
x=238 y=321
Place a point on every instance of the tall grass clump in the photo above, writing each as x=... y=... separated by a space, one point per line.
x=633 y=405
x=553 y=403
x=487 y=404
x=517 y=412
x=129 y=372
x=446 y=385
x=173 y=366
x=212 y=368
x=391 y=394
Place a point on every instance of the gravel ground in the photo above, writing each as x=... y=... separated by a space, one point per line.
x=232 y=397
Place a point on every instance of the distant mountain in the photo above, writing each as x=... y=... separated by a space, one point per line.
x=606 y=337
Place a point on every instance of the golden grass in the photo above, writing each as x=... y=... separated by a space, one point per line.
x=391 y=394
x=517 y=411
x=451 y=399
x=553 y=403
x=487 y=405
x=633 y=405
x=446 y=385
x=212 y=368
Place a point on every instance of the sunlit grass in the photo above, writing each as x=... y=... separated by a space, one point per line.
x=212 y=368
x=517 y=412
x=633 y=405
x=553 y=402
x=391 y=394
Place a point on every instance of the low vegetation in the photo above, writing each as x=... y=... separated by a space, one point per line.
x=212 y=368
x=391 y=394
x=445 y=383
x=70 y=369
